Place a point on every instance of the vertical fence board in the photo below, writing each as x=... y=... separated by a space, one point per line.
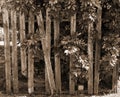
x=57 y=56
x=48 y=40
x=46 y=54
x=7 y=50
x=90 y=58
x=30 y=57
x=97 y=52
x=14 y=53
x=73 y=31
x=22 y=50
x=118 y=77
x=114 y=79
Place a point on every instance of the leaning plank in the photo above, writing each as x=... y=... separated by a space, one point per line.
x=47 y=88
x=73 y=31
x=57 y=55
x=22 y=50
x=90 y=58
x=48 y=40
x=97 y=52
x=14 y=52
x=30 y=57
x=7 y=50
x=46 y=53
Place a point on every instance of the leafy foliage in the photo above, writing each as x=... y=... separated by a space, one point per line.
x=32 y=42
x=23 y=6
x=111 y=36
x=62 y=9
x=75 y=47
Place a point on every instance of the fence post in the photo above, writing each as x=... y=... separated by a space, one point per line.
x=73 y=31
x=31 y=57
x=7 y=50
x=90 y=58
x=14 y=52
x=22 y=50
x=57 y=56
x=97 y=52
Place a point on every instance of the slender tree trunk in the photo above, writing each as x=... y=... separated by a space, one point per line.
x=22 y=50
x=7 y=50
x=31 y=57
x=97 y=52
x=14 y=52
x=73 y=31
x=46 y=53
x=90 y=58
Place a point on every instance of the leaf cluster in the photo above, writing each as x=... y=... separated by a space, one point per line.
x=76 y=48
x=111 y=36
x=32 y=43
x=62 y=9
x=23 y=6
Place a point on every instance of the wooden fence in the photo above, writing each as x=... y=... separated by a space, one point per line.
x=10 y=21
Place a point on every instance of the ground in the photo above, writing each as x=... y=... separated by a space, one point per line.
x=108 y=95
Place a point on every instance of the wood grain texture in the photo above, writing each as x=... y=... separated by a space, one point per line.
x=73 y=31
x=22 y=50
x=57 y=55
x=49 y=70
x=30 y=57
x=7 y=51
x=97 y=52
x=14 y=52
x=90 y=59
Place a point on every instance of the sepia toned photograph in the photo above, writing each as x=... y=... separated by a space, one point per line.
x=59 y=48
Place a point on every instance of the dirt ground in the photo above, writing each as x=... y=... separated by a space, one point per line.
x=108 y=95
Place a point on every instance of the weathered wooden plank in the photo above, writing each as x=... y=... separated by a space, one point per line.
x=90 y=58
x=57 y=55
x=14 y=52
x=7 y=50
x=22 y=50
x=97 y=52
x=48 y=40
x=46 y=53
x=47 y=87
x=114 y=79
x=30 y=57
x=73 y=31
x=118 y=77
